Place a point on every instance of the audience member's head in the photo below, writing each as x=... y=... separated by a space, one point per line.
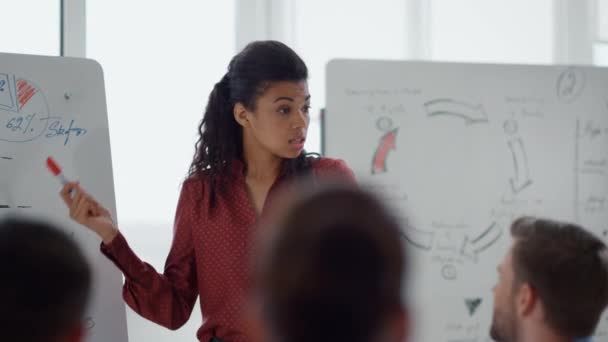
x=333 y=269
x=45 y=284
x=553 y=283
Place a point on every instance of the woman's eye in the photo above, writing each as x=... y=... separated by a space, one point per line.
x=306 y=109
x=284 y=110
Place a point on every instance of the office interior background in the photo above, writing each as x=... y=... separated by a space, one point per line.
x=162 y=58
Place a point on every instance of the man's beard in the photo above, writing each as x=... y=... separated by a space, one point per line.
x=504 y=327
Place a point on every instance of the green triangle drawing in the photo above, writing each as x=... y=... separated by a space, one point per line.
x=472 y=305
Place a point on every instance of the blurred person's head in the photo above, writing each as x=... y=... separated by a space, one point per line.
x=553 y=283
x=45 y=284
x=333 y=269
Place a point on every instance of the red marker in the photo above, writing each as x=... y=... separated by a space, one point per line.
x=55 y=170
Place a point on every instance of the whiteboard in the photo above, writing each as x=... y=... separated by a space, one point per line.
x=55 y=106
x=462 y=150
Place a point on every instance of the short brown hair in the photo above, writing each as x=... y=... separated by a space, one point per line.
x=568 y=267
x=46 y=281
x=334 y=270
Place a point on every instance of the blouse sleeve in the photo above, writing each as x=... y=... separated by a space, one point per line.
x=165 y=298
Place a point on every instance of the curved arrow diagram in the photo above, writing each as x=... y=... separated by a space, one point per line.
x=387 y=144
x=470 y=113
x=471 y=248
x=520 y=164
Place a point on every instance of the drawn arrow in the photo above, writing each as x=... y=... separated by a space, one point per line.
x=472 y=305
x=387 y=144
x=419 y=238
x=471 y=248
x=520 y=164
x=470 y=113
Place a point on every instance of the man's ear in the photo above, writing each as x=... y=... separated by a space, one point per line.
x=526 y=299
x=240 y=114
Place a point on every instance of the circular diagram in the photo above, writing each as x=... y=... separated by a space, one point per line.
x=24 y=111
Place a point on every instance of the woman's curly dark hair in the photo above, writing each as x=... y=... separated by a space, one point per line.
x=249 y=74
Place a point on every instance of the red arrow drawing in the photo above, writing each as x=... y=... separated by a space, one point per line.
x=387 y=144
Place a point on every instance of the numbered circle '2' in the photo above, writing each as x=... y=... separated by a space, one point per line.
x=570 y=84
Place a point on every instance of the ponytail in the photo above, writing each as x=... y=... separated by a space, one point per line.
x=218 y=124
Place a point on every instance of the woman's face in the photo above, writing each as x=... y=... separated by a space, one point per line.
x=279 y=122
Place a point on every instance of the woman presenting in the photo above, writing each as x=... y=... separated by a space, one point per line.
x=251 y=143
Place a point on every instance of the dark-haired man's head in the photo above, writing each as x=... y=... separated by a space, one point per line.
x=553 y=283
x=45 y=283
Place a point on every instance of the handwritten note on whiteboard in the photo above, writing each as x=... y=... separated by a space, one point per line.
x=53 y=106
x=460 y=150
